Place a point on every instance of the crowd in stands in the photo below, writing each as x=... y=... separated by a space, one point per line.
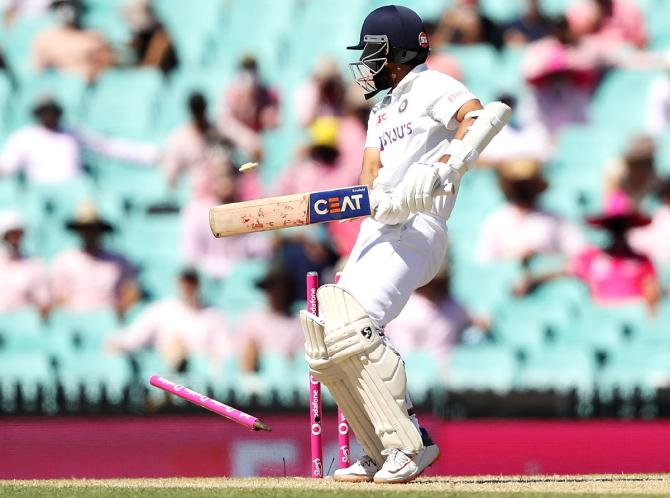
x=612 y=236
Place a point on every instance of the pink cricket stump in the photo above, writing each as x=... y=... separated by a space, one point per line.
x=312 y=281
x=210 y=404
x=342 y=428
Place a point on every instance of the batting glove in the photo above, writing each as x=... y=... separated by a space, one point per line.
x=418 y=187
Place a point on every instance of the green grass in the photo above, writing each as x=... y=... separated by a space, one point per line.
x=470 y=487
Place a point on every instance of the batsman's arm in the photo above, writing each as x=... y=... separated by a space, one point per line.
x=465 y=122
x=372 y=163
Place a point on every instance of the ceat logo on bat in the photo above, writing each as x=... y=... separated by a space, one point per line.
x=339 y=204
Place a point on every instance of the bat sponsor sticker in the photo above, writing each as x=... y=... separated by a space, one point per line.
x=338 y=204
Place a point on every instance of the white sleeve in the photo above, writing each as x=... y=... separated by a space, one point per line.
x=13 y=154
x=372 y=138
x=447 y=104
x=658 y=106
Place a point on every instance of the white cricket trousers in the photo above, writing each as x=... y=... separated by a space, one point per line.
x=388 y=262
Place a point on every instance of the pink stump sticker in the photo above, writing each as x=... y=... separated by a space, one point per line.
x=315 y=411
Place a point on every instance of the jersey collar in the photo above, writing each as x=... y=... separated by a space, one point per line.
x=409 y=77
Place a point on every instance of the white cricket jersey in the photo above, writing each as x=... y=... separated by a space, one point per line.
x=415 y=123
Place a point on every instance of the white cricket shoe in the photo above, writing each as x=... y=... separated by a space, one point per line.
x=363 y=470
x=400 y=467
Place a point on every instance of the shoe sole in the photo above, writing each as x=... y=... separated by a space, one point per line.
x=411 y=478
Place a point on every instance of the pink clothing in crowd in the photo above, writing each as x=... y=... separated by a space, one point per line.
x=446 y=64
x=625 y=25
x=186 y=152
x=272 y=332
x=424 y=325
x=215 y=257
x=612 y=280
x=246 y=111
x=54 y=156
x=83 y=52
x=310 y=176
x=24 y=283
x=653 y=240
x=171 y=326
x=512 y=233
x=81 y=282
x=309 y=105
x=560 y=85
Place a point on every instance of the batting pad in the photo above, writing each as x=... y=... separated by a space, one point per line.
x=329 y=374
x=366 y=378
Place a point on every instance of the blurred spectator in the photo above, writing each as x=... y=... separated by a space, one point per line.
x=322 y=169
x=15 y=9
x=274 y=329
x=304 y=249
x=438 y=58
x=615 y=274
x=351 y=144
x=92 y=278
x=217 y=257
x=69 y=47
x=178 y=327
x=653 y=240
x=150 y=41
x=531 y=26
x=432 y=321
x=608 y=24
x=520 y=228
x=249 y=107
x=50 y=153
x=464 y=24
x=658 y=105
x=517 y=140
x=633 y=175
x=189 y=148
x=25 y=281
x=560 y=82
x=322 y=95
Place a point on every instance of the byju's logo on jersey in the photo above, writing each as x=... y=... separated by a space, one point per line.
x=396 y=133
x=338 y=204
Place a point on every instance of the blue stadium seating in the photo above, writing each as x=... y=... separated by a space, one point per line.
x=485 y=367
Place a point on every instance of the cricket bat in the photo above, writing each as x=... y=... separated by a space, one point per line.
x=273 y=213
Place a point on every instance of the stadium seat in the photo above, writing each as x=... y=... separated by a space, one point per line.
x=628 y=88
x=21 y=332
x=83 y=331
x=210 y=81
x=18 y=42
x=124 y=103
x=474 y=61
x=28 y=372
x=68 y=89
x=485 y=367
x=238 y=292
x=560 y=369
x=422 y=374
x=88 y=376
x=275 y=370
x=192 y=26
x=502 y=11
x=527 y=323
x=106 y=17
x=643 y=367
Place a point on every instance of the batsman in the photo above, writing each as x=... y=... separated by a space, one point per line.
x=422 y=137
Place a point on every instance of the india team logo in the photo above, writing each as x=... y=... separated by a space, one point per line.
x=423 y=40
